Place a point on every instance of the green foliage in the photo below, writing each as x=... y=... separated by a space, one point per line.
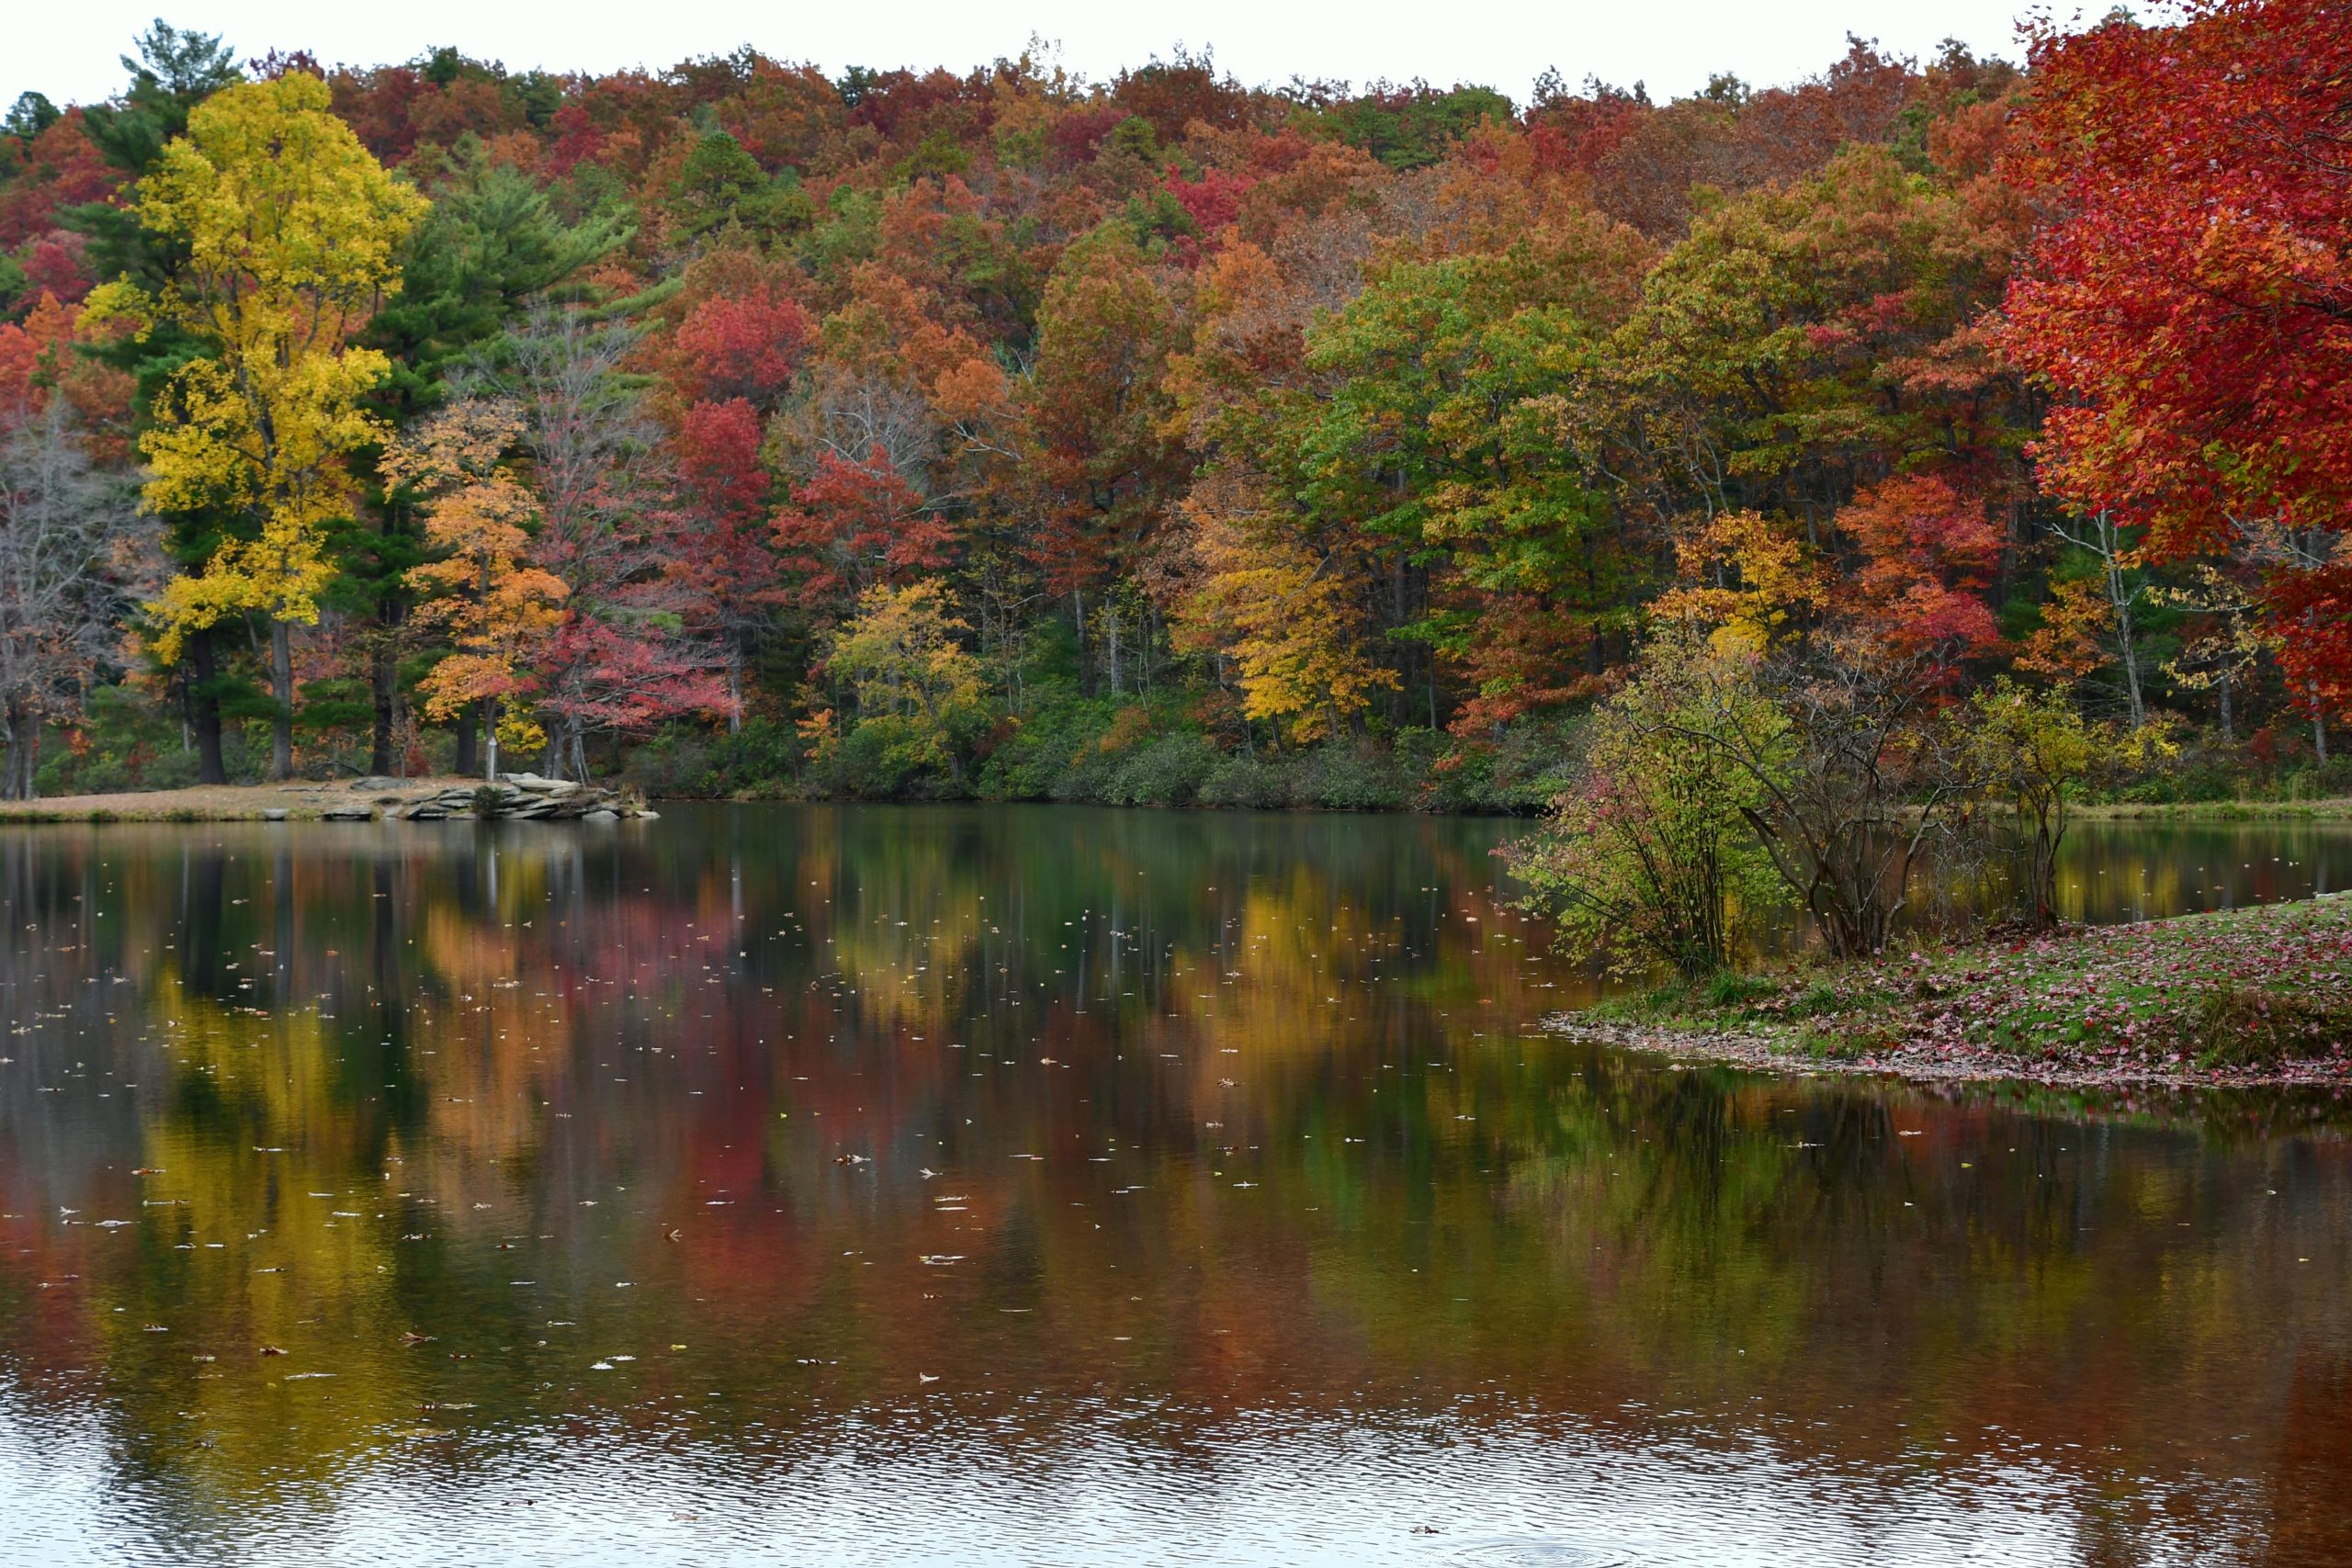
x=1410 y=128
x=721 y=183
x=125 y=742
x=1168 y=771
x=763 y=761
x=1647 y=858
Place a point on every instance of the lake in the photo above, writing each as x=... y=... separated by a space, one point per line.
x=1042 y=1185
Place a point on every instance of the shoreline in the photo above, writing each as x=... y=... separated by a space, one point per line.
x=2255 y=996
x=334 y=799
x=523 y=797
x=2325 y=808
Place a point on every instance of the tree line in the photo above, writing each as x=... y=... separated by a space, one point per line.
x=1164 y=438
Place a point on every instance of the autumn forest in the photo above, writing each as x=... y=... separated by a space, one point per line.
x=741 y=430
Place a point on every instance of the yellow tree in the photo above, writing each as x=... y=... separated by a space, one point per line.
x=1291 y=620
x=291 y=234
x=919 y=689
x=481 y=593
x=1751 y=582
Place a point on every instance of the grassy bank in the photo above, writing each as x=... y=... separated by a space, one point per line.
x=2260 y=994
x=2333 y=808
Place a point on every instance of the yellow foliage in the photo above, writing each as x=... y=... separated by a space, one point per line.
x=1291 y=620
x=2066 y=645
x=1746 y=580
x=902 y=656
x=291 y=232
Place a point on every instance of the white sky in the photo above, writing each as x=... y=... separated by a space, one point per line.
x=67 y=48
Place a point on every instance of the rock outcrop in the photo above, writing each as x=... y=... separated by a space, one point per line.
x=519 y=798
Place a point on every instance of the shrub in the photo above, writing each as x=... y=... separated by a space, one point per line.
x=1253 y=784
x=1648 y=858
x=879 y=757
x=1034 y=761
x=1166 y=772
x=761 y=762
x=1349 y=778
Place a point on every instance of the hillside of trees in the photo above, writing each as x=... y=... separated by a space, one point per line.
x=741 y=430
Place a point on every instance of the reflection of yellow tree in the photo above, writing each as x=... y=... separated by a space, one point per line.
x=253 y=1131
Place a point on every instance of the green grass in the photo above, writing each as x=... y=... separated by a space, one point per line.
x=2240 y=991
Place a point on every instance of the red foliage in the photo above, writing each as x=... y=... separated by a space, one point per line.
x=855 y=524
x=1078 y=134
x=577 y=140
x=743 y=347
x=2315 y=609
x=723 y=560
x=2192 y=302
x=718 y=457
x=1573 y=134
x=53 y=266
x=603 y=676
x=62 y=169
x=1928 y=553
x=34 y=349
x=1213 y=201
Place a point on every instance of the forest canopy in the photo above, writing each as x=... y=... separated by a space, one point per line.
x=1161 y=439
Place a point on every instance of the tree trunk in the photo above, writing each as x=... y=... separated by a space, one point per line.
x=203 y=699
x=281 y=686
x=734 y=685
x=385 y=678
x=468 y=757
x=2120 y=595
x=2229 y=728
x=489 y=740
x=24 y=739
x=2319 y=731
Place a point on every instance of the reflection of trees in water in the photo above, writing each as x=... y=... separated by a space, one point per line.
x=606 y=1038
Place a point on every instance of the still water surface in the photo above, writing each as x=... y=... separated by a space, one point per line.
x=1051 y=1185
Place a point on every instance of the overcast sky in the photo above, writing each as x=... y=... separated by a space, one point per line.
x=67 y=48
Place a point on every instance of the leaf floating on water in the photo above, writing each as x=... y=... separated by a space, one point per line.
x=925 y=1377
x=674 y=1234
x=271 y=1350
x=412 y=1337
x=940 y=1260
x=600 y=1366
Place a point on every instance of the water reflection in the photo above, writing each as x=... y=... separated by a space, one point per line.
x=1040 y=1185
